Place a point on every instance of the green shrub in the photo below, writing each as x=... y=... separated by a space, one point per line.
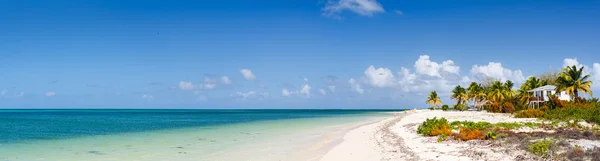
x=461 y=107
x=529 y=113
x=490 y=135
x=445 y=107
x=443 y=137
x=509 y=125
x=476 y=125
x=540 y=147
x=434 y=127
x=570 y=113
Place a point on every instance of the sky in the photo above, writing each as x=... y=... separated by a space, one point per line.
x=281 y=54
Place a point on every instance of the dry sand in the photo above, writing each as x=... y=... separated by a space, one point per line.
x=396 y=139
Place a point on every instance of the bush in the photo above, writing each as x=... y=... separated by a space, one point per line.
x=434 y=127
x=529 y=113
x=469 y=134
x=445 y=107
x=508 y=107
x=443 y=137
x=574 y=113
x=461 y=107
x=495 y=107
x=490 y=135
x=540 y=147
x=509 y=125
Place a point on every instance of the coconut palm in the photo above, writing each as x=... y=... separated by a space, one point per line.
x=434 y=99
x=496 y=92
x=572 y=81
x=508 y=86
x=529 y=84
x=476 y=92
x=460 y=95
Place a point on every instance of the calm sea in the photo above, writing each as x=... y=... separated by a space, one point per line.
x=34 y=125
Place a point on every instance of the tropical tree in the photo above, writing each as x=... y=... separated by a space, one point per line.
x=460 y=95
x=476 y=92
x=572 y=81
x=508 y=86
x=496 y=92
x=434 y=99
x=529 y=84
x=532 y=83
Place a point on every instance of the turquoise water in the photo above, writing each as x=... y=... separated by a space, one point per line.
x=18 y=126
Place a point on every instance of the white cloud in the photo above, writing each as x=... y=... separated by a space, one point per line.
x=596 y=73
x=570 y=62
x=331 y=88
x=225 y=80
x=187 y=85
x=322 y=91
x=20 y=94
x=247 y=73
x=596 y=76
x=496 y=71
x=147 y=97
x=399 y=12
x=355 y=86
x=285 y=92
x=305 y=79
x=380 y=77
x=244 y=95
x=209 y=83
x=3 y=92
x=50 y=94
x=305 y=90
x=362 y=7
x=425 y=66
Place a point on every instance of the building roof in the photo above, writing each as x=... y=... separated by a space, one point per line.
x=544 y=88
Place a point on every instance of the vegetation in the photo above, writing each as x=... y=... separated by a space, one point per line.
x=470 y=134
x=435 y=127
x=529 y=113
x=445 y=107
x=572 y=81
x=460 y=95
x=540 y=147
x=434 y=99
x=477 y=94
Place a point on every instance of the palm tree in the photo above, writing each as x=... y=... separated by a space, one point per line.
x=573 y=81
x=497 y=91
x=508 y=86
x=434 y=99
x=529 y=84
x=460 y=94
x=476 y=92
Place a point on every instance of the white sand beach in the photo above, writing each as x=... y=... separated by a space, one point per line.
x=396 y=139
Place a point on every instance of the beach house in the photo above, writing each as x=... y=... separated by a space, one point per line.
x=543 y=93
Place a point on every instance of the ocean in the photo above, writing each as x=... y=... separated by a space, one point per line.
x=106 y=134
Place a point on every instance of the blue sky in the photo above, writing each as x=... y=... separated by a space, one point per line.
x=294 y=54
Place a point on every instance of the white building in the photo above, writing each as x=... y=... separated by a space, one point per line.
x=541 y=94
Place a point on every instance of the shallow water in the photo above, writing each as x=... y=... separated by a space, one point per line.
x=173 y=135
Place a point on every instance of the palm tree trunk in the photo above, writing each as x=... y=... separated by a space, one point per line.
x=575 y=94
